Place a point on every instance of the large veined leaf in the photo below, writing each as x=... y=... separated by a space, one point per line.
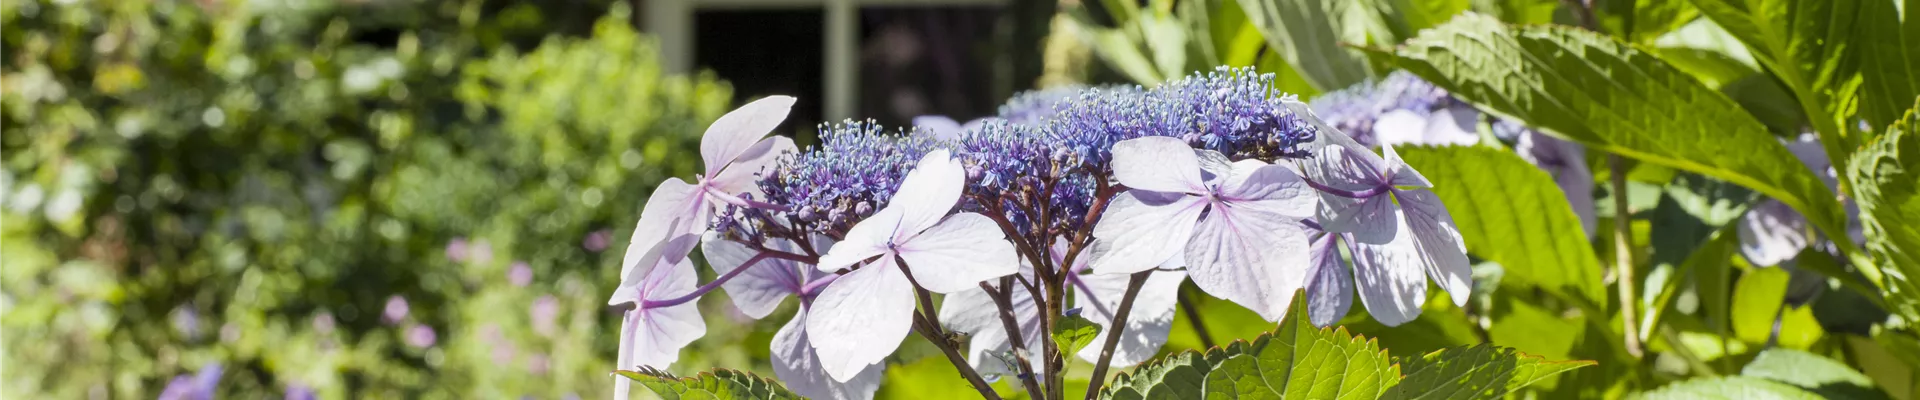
x=1616 y=98
x=1807 y=44
x=1512 y=213
x=1300 y=361
x=1306 y=33
x=1822 y=375
x=1730 y=388
x=1889 y=42
x=718 y=384
x=1476 y=372
x=1886 y=185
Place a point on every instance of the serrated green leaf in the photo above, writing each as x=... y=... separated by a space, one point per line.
x=717 y=384
x=1807 y=44
x=1616 y=98
x=1306 y=33
x=1476 y=372
x=1889 y=60
x=1074 y=332
x=1512 y=213
x=1886 y=185
x=1301 y=361
x=1178 y=376
x=1829 y=378
x=1729 y=388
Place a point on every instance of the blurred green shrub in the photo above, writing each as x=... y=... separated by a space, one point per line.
x=258 y=184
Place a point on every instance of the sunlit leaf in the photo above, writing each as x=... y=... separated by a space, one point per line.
x=718 y=384
x=1512 y=213
x=1616 y=98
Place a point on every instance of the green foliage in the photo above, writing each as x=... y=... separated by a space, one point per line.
x=1512 y=213
x=1884 y=175
x=1074 y=332
x=1307 y=34
x=1779 y=374
x=1822 y=375
x=1611 y=96
x=717 y=384
x=248 y=183
x=1478 y=372
x=1804 y=43
x=1729 y=388
x=1889 y=43
x=1297 y=360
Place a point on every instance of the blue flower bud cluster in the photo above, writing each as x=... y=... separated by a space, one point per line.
x=1047 y=152
x=1354 y=109
x=852 y=173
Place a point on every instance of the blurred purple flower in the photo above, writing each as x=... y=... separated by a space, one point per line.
x=187 y=322
x=421 y=336
x=299 y=392
x=457 y=250
x=545 y=309
x=520 y=274
x=396 y=309
x=199 y=386
x=597 y=240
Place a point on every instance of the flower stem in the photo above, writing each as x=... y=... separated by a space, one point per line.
x=1623 y=253
x=1193 y=318
x=703 y=289
x=931 y=330
x=1004 y=299
x=1115 y=329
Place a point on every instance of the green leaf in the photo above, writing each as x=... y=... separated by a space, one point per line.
x=718 y=384
x=1477 y=372
x=1889 y=60
x=1300 y=361
x=1757 y=299
x=1886 y=184
x=1074 y=332
x=1829 y=378
x=1729 y=388
x=1512 y=213
x=1761 y=316
x=1655 y=18
x=1715 y=257
x=1616 y=98
x=1305 y=34
x=1167 y=39
x=1178 y=376
x=1806 y=43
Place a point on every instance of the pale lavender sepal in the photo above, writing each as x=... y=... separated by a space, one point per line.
x=1329 y=283
x=799 y=368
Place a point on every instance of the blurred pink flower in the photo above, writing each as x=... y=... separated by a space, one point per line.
x=396 y=309
x=545 y=309
x=421 y=336
x=537 y=363
x=520 y=274
x=457 y=250
x=598 y=240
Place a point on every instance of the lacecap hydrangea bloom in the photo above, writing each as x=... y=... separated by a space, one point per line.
x=1096 y=203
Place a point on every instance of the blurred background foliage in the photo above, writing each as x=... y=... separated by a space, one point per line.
x=363 y=199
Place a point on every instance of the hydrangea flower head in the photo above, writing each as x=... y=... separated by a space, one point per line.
x=736 y=150
x=1236 y=224
x=869 y=310
x=853 y=172
x=1399 y=233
